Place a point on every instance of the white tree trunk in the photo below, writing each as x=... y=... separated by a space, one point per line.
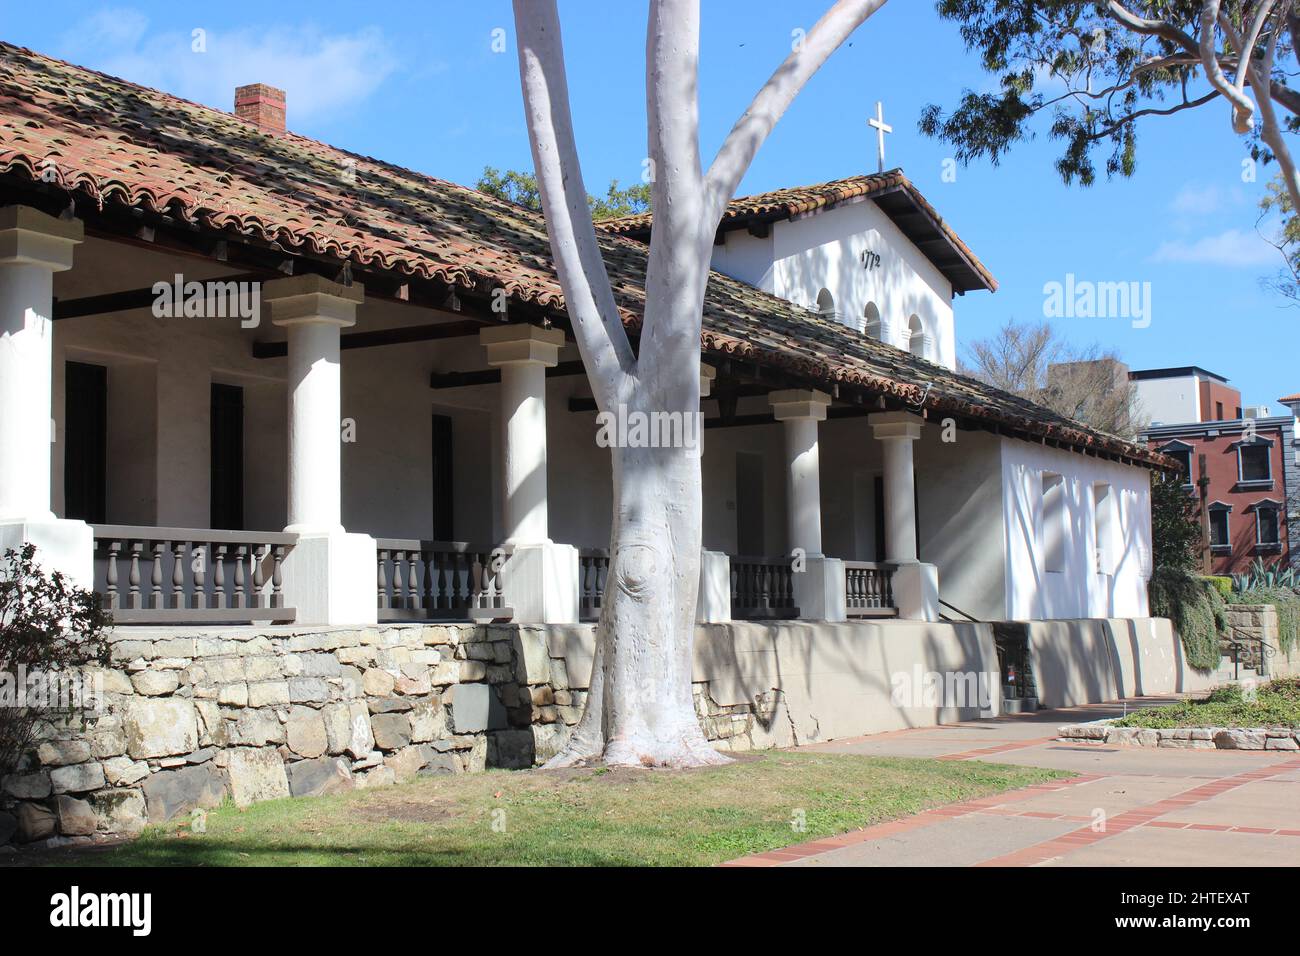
x=639 y=709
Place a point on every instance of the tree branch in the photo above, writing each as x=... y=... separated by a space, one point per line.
x=1160 y=28
x=593 y=314
x=1243 y=110
x=776 y=95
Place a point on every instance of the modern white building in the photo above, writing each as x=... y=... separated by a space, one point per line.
x=350 y=390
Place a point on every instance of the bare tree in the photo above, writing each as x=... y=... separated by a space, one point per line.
x=639 y=709
x=1089 y=385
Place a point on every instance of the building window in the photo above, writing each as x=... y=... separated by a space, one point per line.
x=1253 y=462
x=916 y=336
x=1104 y=524
x=1267 y=530
x=1220 y=533
x=871 y=322
x=1183 y=455
x=1051 y=533
x=1218 y=411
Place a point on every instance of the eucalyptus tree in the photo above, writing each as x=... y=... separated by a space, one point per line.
x=639 y=710
x=1100 y=68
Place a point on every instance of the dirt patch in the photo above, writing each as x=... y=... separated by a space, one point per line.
x=405 y=811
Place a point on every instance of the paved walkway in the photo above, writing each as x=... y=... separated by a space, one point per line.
x=1129 y=806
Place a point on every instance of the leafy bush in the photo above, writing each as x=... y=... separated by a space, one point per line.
x=1196 y=610
x=47 y=627
x=1222 y=582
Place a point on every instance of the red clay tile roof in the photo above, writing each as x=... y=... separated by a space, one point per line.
x=119 y=143
x=891 y=190
x=1288 y=399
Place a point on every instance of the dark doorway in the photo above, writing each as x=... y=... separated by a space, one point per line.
x=750 y=539
x=85 y=457
x=444 y=527
x=879 y=497
x=227 y=470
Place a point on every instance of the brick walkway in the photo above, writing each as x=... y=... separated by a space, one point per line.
x=1128 y=806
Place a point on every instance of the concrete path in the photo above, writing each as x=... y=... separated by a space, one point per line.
x=1129 y=806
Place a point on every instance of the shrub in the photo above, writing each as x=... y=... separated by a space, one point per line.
x=47 y=627
x=1196 y=610
x=1222 y=582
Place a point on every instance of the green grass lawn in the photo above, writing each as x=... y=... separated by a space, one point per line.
x=575 y=817
x=1275 y=704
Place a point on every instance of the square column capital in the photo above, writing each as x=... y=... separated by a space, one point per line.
x=29 y=236
x=312 y=300
x=707 y=374
x=795 y=403
x=896 y=425
x=522 y=345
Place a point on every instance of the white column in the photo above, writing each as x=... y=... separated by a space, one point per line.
x=329 y=575
x=818 y=580
x=540 y=577
x=916 y=585
x=33 y=246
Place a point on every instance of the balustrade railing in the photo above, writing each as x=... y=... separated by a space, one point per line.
x=439 y=580
x=868 y=589
x=191 y=576
x=762 y=588
x=593 y=570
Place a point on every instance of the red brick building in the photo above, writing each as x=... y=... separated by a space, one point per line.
x=1245 y=462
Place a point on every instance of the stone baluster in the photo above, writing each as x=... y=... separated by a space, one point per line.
x=133 y=576
x=110 y=575
x=155 y=575
x=219 y=578
x=178 y=573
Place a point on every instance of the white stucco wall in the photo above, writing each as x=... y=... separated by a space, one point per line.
x=799 y=258
x=1077 y=590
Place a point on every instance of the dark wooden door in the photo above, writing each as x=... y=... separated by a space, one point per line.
x=750 y=537
x=85 y=457
x=227 y=469
x=444 y=526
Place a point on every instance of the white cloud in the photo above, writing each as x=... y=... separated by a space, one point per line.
x=319 y=72
x=1233 y=247
x=1195 y=200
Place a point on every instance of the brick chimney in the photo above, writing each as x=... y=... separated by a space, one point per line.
x=262 y=105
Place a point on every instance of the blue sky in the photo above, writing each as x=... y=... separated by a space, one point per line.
x=418 y=84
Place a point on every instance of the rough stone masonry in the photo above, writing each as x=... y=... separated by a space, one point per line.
x=195 y=716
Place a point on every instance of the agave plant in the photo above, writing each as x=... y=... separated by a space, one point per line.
x=1259 y=576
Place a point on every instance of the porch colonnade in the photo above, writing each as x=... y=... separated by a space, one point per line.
x=915 y=584
x=34 y=246
x=329 y=573
x=819 y=590
x=540 y=576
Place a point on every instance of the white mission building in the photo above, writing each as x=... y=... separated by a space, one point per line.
x=358 y=453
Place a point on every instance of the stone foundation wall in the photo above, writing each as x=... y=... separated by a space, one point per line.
x=192 y=717
x=195 y=716
x=1249 y=624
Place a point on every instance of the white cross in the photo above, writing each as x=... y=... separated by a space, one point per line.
x=881 y=129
